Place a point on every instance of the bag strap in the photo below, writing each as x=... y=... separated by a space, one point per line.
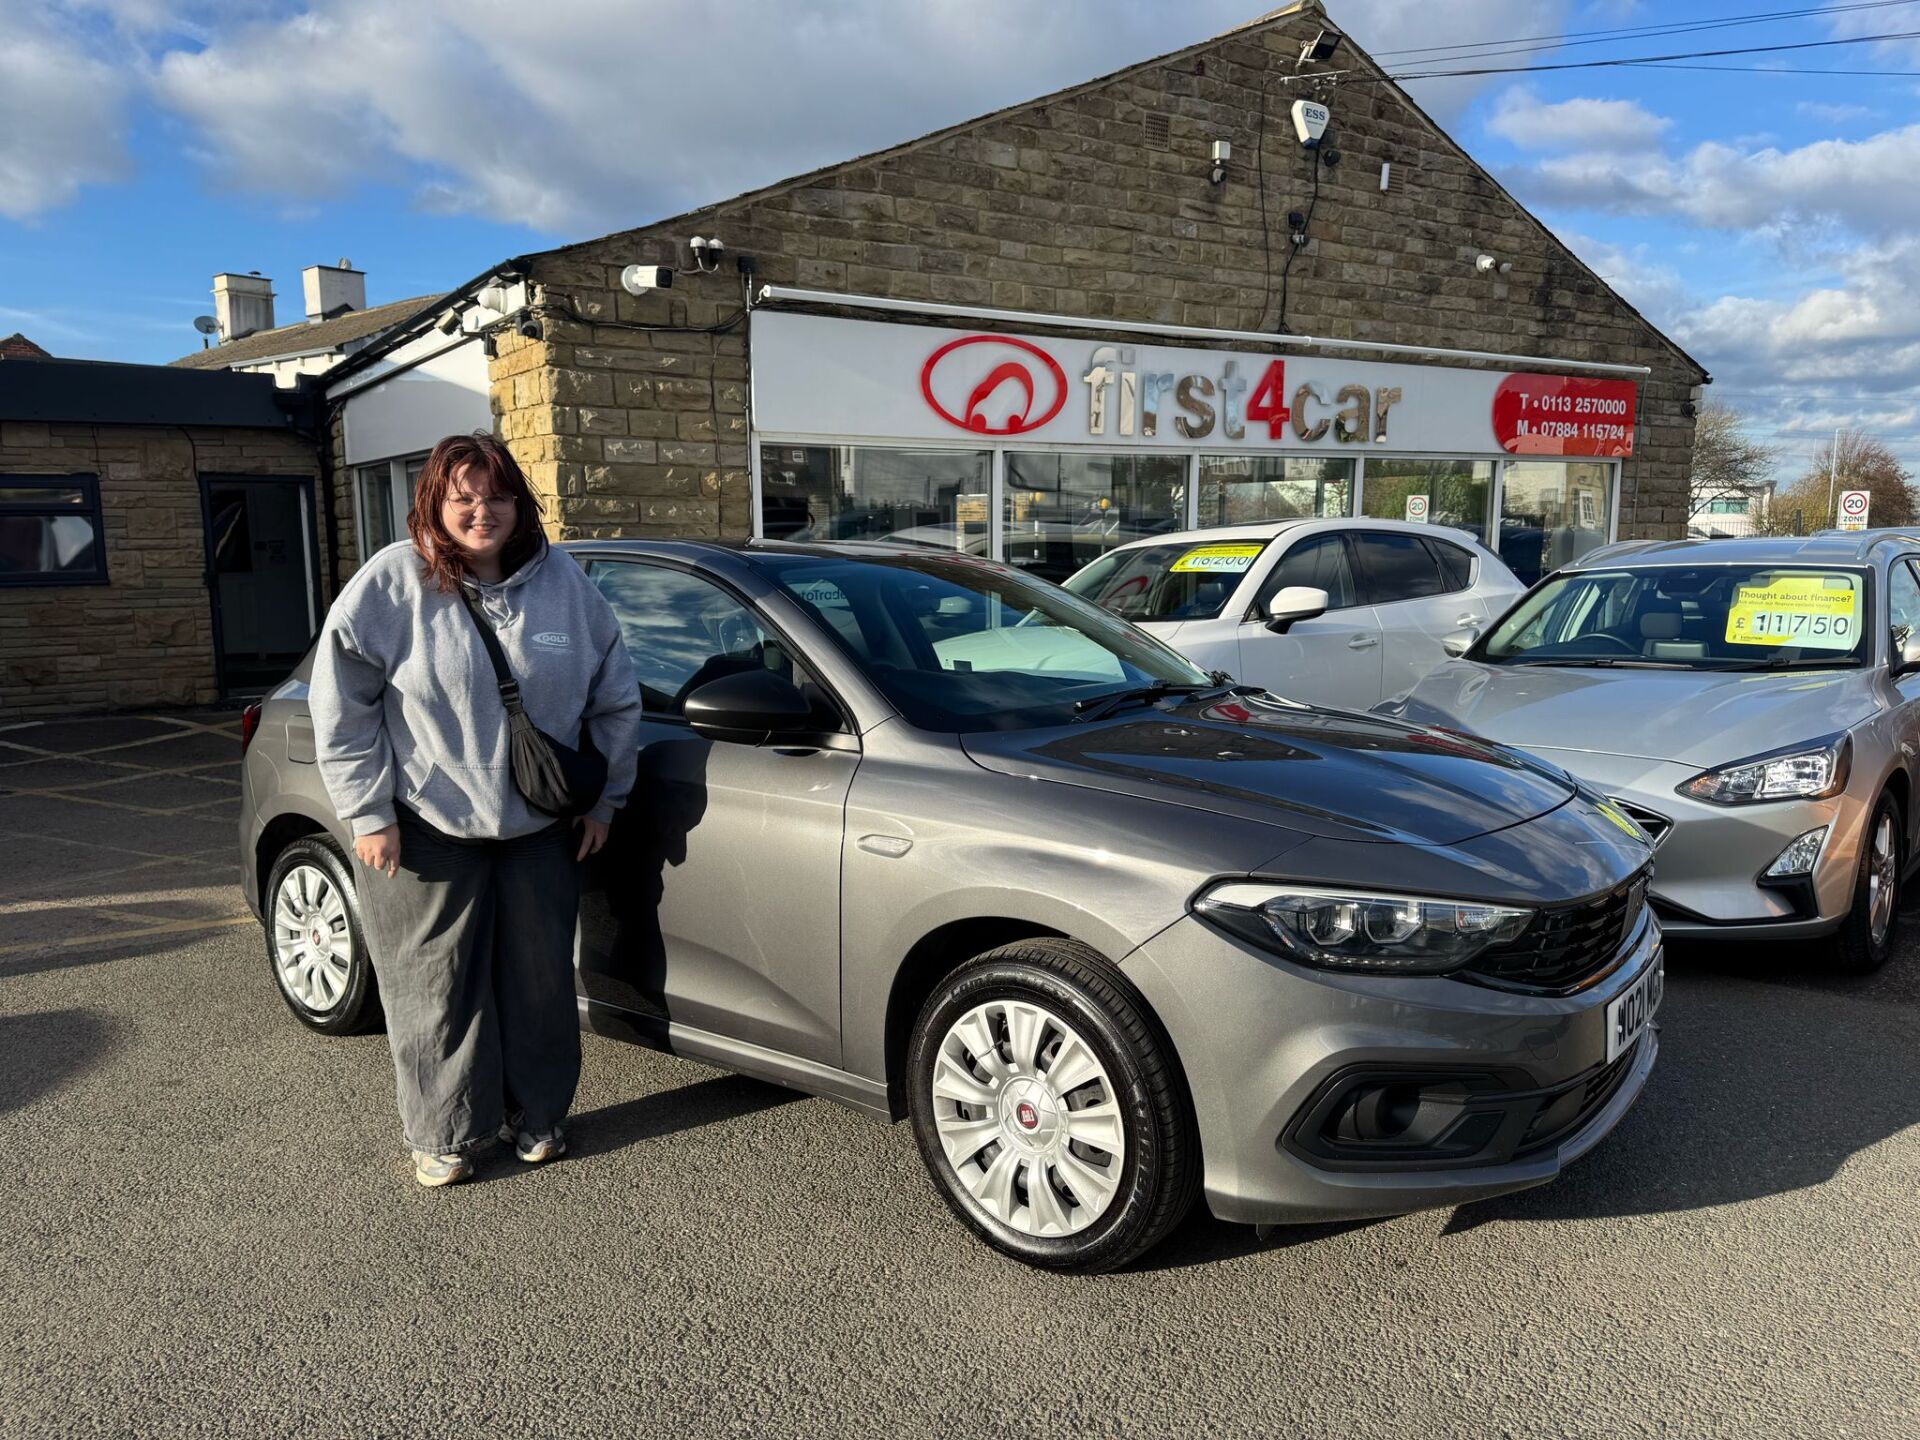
x=503 y=676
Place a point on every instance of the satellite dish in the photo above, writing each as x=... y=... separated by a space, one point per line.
x=206 y=324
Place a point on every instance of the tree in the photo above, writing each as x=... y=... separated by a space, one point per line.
x=1727 y=462
x=1863 y=463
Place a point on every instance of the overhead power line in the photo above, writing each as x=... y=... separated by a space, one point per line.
x=1644 y=59
x=1522 y=44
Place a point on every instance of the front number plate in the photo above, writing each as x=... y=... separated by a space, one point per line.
x=1632 y=1011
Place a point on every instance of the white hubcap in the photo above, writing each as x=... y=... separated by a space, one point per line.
x=310 y=937
x=1028 y=1118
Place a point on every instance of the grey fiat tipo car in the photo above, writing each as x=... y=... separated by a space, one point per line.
x=941 y=841
x=1753 y=704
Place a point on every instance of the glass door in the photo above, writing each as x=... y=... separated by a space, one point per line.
x=261 y=571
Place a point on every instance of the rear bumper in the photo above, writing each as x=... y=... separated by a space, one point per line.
x=1261 y=1041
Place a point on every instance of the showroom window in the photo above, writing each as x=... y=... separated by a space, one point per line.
x=1455 y=493
x=1552 y=513
x=1066 y=509
x=1249 y=489
x=50 y=530
x=865 y=492
x=1736 y=506
x=386 y=495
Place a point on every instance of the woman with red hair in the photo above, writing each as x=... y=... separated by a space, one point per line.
x=467 y=891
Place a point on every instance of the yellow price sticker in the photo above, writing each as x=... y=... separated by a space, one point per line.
x=1815 y=612
x=1218 y=557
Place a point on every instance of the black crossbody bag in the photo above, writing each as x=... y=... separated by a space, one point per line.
x=554 y=779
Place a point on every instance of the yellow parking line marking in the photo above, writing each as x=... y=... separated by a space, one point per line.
x=175 y=927
x=92 y=845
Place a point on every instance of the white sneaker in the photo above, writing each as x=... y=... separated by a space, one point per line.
x=535 y=1149
x=434 y=1170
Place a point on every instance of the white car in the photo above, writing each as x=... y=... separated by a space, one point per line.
x=1341 y=611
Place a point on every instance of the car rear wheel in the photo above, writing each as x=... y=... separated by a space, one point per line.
x=316 y=944
x=1866 y=939
x=1047 y=1108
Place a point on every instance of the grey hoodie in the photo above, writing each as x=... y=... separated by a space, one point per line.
x=405 y=707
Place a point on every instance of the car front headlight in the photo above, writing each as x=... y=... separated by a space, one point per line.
x=1361 y=931
x=1813 y=773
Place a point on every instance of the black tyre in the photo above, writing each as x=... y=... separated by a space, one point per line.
x=1864 y=942
x=316 y=944
x=1048 y=1109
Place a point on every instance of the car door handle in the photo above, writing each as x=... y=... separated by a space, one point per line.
x=1467 y=619
x=1363 y=642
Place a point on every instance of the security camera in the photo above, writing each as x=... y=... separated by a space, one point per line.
x=1485 y=264
x=528 y=328
x=639 y=279
x=1330 y=158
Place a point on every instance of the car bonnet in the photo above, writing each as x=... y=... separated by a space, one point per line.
x=1334 y=774
x=1701 y=718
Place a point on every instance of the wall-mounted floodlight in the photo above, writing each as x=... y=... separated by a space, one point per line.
x=1320 y=49
x=1222 y=153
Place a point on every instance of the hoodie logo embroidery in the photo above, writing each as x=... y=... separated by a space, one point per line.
x=555 y=638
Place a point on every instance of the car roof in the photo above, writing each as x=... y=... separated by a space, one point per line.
x=1273 y=529
x=1848 y=547
x=748 y=550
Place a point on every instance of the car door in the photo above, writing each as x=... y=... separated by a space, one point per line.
x=716 y=901
x=1418 y=600
x=1332 y=659
x=1903 y=619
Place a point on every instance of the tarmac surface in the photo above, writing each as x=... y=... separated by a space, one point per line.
x=210 y=1228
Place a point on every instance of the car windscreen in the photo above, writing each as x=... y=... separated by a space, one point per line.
x=959 y=645
x=1693 y=617
x=1191 y=580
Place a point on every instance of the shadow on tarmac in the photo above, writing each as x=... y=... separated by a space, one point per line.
x=42 y=1051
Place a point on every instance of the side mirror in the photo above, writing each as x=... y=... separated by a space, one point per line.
x=1460 y=641
x=750 y=708
x=1294 y=602
x=1908 y=660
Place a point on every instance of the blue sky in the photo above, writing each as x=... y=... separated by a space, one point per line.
x=1770 y=221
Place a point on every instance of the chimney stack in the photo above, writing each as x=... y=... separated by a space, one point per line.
x=242 y=304
x=333 y=289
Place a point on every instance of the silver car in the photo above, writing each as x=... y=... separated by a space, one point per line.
x=1332 y=612
x=1753 y=704
x=938 y=840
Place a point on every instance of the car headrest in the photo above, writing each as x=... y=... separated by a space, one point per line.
x=1660 y=625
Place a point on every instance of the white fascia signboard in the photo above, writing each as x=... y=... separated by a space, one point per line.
x=833 y=379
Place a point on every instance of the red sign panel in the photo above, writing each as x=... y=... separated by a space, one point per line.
x=993 y=384
x=1562 y=415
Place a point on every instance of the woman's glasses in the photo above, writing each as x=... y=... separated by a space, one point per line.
x=471 y=504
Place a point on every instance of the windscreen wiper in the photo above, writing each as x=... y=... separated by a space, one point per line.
x=1608 y=662
x=1098 y=707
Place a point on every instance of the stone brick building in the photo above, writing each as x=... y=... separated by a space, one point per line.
x=1088 y=228
x=159 y=537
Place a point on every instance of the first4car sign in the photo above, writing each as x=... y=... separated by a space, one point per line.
x=1853 y=509
x=817 y=376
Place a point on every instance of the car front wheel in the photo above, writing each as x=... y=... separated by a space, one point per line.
x=1865 y=940
x=1048 y=1110
x=316 y=944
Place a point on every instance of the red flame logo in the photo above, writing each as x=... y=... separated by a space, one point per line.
x=1014 y=370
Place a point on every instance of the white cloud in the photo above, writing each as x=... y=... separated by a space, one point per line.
x=597 y=117
x=1611 y=126
x=1834 y=114
x=1865 y=186
x=60 y=112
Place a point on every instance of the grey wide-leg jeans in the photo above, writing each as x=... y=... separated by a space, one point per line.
x=472 y=944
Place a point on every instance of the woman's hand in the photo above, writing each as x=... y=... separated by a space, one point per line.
x=593 y=834
x=380 y=850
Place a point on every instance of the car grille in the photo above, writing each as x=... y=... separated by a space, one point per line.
x=1566 y=948
x=1652 y=821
